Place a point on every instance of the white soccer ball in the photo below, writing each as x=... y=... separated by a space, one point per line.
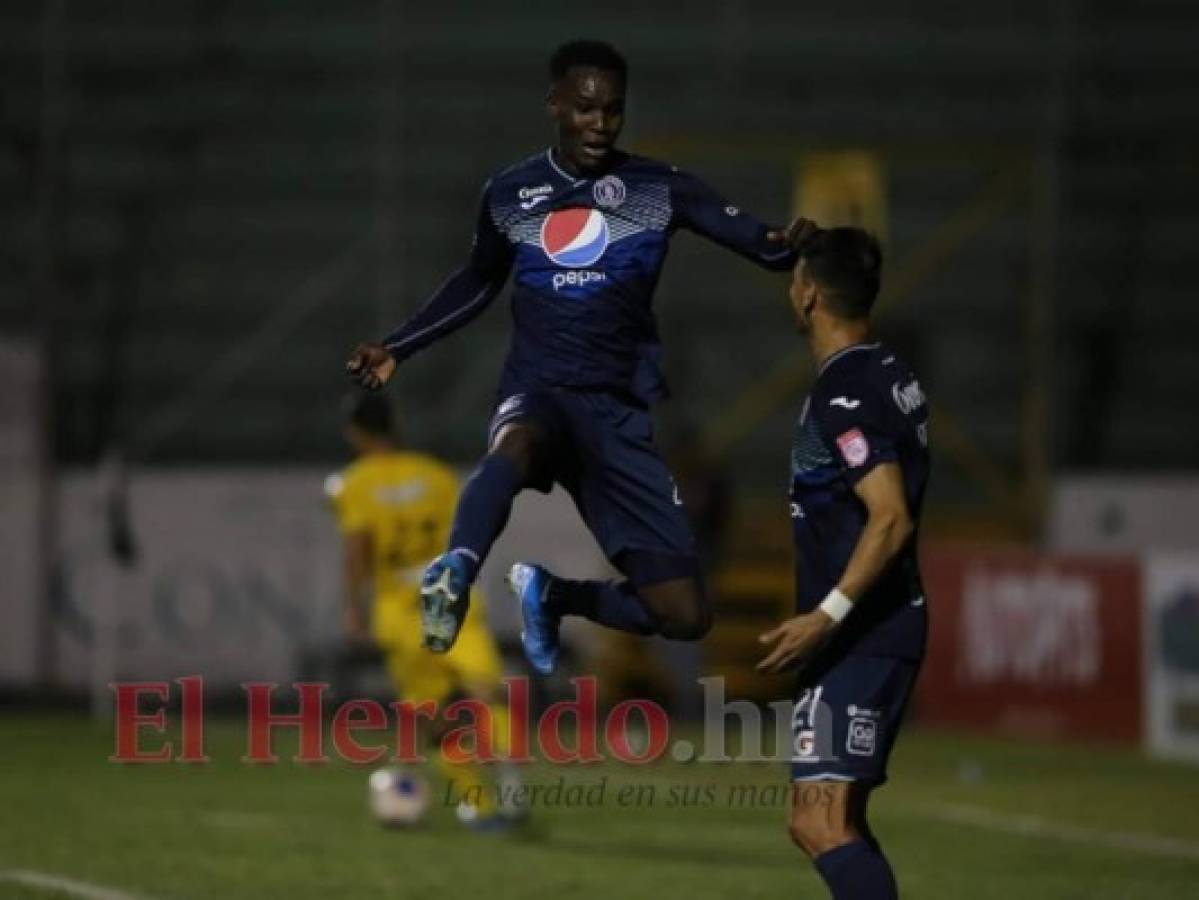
x=398 y=797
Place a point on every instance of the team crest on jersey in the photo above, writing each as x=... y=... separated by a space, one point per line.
x=854 y=447
x=609 y=192
x=574 y=237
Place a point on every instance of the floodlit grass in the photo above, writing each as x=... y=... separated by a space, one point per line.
x=962 y=817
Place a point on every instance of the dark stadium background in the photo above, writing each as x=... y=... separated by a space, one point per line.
x=205 y=205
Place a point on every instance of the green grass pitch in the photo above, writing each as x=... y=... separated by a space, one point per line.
x=962 y=817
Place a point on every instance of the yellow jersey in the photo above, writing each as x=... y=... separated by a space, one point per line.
x=405 y=502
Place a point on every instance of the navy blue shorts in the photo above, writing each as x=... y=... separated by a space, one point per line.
x=846 y=717
x=600 y=448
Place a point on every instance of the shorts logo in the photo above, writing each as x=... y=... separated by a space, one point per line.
x=574 y=237
x=861 y=738
x=805 y=744
x=609 y=192
x=854 y=447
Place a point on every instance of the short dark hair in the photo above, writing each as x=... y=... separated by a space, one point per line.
x=596 y=54
x=370 y=412
x=847 y=263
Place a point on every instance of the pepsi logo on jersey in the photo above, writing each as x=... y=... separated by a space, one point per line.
x=575 y=237
x=576 y=278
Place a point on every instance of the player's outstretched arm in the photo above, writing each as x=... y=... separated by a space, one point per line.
x=888 y=528
x=700 y=209
x=460 y=299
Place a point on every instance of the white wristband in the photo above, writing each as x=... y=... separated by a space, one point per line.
x=836 y=605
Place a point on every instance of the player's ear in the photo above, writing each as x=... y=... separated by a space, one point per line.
x=810 y=300
x=551 y=101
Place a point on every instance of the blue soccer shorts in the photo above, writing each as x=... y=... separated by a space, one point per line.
x=600 y=448
x=846 y=717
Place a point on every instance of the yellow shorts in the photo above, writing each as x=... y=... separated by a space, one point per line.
x=473 y=665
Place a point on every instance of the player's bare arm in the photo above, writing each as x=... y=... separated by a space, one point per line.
x=357 y=573
x=888 y=528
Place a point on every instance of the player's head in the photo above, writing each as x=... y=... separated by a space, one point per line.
x=837 y=276
x=586 y=102
x=369 y=423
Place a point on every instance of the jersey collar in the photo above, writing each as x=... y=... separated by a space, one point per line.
x=621 y=158
x=549 y=156
x=845 y=351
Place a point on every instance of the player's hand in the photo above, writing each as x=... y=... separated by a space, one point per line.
x=795 y=640
x=371 y=366
x=795 y=235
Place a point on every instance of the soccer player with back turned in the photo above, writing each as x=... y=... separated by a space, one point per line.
x=392 y=506
x=859 y=465
x=584 y=228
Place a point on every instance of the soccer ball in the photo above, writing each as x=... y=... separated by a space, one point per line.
x=398 y=797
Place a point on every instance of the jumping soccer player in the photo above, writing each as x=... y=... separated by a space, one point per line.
x=393 y=507
x=586 y=228
x=859 y=466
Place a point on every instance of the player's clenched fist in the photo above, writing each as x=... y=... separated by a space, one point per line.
x=371 y=366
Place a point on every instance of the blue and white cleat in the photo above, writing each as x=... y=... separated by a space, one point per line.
x=444 y=600
x=479 y=822
x=530 y=585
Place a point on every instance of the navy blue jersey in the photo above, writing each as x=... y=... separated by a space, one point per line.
x=865 y=408
x=585 y=254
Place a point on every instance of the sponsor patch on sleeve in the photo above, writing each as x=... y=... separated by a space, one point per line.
x=854 y=447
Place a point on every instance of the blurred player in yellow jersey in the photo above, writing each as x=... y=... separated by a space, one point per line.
x=394 y=508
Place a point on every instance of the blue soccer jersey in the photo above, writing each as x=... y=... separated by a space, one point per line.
x=585 y=254
x=866 y=408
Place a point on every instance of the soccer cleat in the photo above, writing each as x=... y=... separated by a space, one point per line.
x=444 y=600
x=474 y=819
x=530 y=585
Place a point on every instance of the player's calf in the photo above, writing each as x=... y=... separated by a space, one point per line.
x=827 y=823
x=676 y=609
x=680 y=607
x=820 y=819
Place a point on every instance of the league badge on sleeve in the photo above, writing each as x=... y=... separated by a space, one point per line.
x=854 y=447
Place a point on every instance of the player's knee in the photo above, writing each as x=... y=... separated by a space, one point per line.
x=814 y=833
x=519 y=446
x=687 y=623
